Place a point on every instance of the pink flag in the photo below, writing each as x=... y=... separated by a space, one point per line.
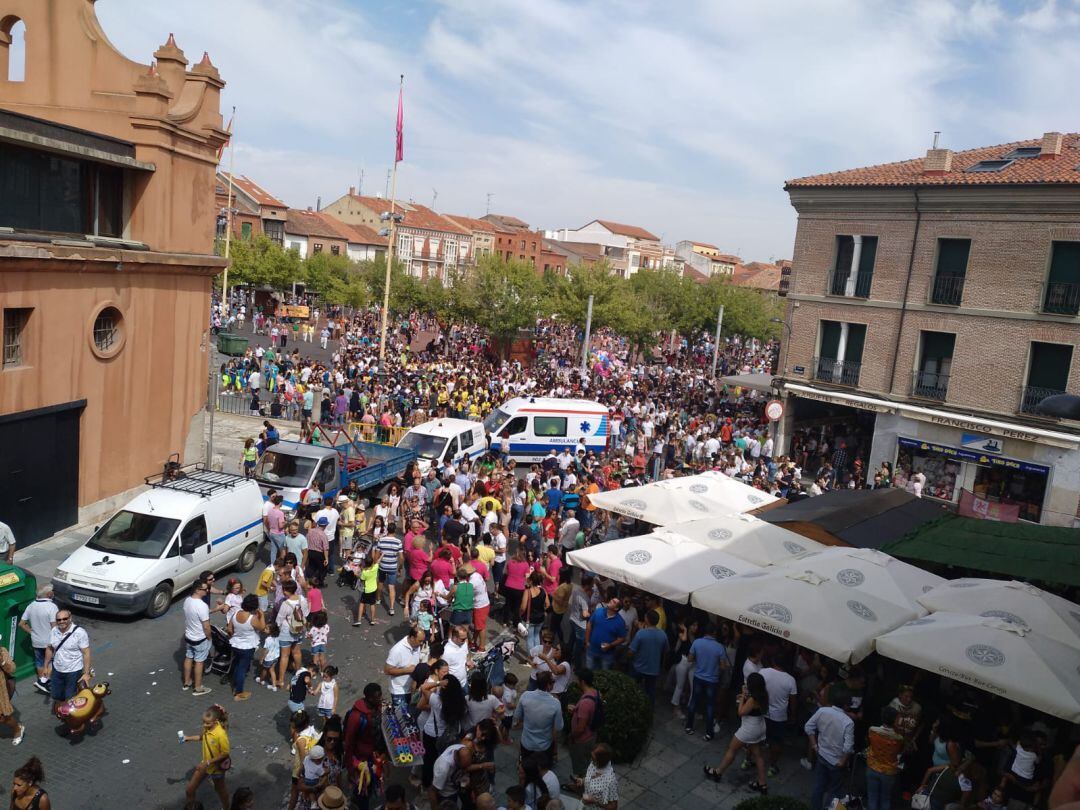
x=399 y=155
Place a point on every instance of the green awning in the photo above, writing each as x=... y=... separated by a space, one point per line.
x=1024 y=551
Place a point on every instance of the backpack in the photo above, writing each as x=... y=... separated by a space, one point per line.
x=597 y=719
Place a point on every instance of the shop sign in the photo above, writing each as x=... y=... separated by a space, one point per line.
x=982 y=444
x=972 y=506
x=799 y=369
x=1005 y=431
x=851 y=403
x=962 y=454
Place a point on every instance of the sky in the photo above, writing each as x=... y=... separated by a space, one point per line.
x=682 y=117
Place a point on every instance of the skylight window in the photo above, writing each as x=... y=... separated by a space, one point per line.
x=990 y=165
x=1023 y=152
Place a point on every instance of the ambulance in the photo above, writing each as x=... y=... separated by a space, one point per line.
x=536 y=425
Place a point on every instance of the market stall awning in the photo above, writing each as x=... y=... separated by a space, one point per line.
x=666 y=565
x=1020 y=550
x=755 y=382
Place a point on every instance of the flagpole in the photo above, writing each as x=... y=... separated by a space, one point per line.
x=228 y=217
x=393 y=229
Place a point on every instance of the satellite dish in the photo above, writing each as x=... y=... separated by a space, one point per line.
x=1063 y=406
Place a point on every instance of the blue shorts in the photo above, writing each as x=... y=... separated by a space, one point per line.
x=63 y=685
x=316 y=649
x=388 y=577
x=325 y=712
x=295 y=707
x=198 y=651
x=39 y=657
x=461 y=617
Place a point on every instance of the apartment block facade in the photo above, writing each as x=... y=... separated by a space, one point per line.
x=937 y=301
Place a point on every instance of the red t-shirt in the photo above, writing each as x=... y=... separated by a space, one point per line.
x=443 y=570
x=417 y=560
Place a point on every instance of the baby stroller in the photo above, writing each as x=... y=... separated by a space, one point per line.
x=493 y=662
x=220 y=660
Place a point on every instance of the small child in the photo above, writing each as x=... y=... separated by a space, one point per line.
x=318 y=632
x=425 y=618
x=507 y=693
x=314 y=598
x=314 y=767
x=249 y=456
x=515 y=798
x=368 y=585
x=995 y=801
x=271 y=654
x=1022 y=768
x=327 y=690
x=299 y=689
x=234 y=595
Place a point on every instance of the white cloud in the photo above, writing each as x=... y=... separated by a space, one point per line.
x=684 y=118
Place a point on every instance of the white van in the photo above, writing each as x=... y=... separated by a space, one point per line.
x=188 y=522
x=538 y=424
x=441 y=440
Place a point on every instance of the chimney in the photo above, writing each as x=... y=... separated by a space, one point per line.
x=937 y=161
x=318 y=203
x=352 y=191
x=1051 y=145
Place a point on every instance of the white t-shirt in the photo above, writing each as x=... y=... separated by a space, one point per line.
x=481 y=710
x=68 y=658
x=780 y=686
x=480 y=591
x=195 y=613
x=499 y=544
x=748 y=667
x=40 y=615
x=331 y=516
x=456 y=656
x=402 y=655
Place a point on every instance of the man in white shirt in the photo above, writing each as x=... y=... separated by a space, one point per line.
x=7 y=543
x=196 y=638
x=568 y=532
x=38 y=619
x=481 y=608
x=456 y=654
x=67 y=659
x=400 y=663
x=783 y=703
x=450 y=769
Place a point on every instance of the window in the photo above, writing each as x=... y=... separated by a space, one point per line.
x=515 y=426
x=327 y=474
x=549 y=426
x=1062 y=293
x=466 y=439
x=404 y=245
x=853 y=281
x=839 y=359
x=335 y=250
x=451 y=450
x=935 y=364
x=522 y=244
x=952 y=260
x=135 y=534
x=15 y=320
x=107 y=330
x=294 y=246
x=194 y=533
x=274 y=230
x=451 y=252
x=1048 y=373
x=13 y=50
x=40 y=191
x=317 y=247
x=245 y=230
x=990 y=165
x=1021 y=152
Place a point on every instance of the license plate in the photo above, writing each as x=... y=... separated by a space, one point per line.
x=90 y=600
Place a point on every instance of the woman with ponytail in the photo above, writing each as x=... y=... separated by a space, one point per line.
x=26 y=790
x=215 y=760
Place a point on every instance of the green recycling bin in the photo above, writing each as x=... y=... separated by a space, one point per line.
x=18 y=588
x=232 y=345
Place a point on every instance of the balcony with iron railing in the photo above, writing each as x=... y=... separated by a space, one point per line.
x=947 y=290
x=838 y=280
x=930 y=385
x=1061 y=298
x=1032 y=395
x=830 y=370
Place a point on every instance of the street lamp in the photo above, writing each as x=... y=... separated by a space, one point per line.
x=783 y=323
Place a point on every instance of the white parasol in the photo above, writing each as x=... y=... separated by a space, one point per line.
x=806 y=608
x=999 y=657
x=746 y=536
x=1045 y=613
x=663 y=564
x=680 y=499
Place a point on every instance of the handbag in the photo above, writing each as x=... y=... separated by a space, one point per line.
x=921 y=798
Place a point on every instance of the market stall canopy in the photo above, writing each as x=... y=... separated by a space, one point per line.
x=997 y=656
x=745 y=536
x=675 y=500
x=1019 y=550
x=1032 y=608
x=873 y=571
x=755 y=382
x=806 y=608
x=667 y=565
x=862 y=518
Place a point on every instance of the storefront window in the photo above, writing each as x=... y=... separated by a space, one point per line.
x=941 y=473
x=1026 y=489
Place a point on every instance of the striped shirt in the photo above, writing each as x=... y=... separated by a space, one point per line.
x=390 y=548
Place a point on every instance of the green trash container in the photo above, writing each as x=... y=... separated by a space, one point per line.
x=18 y=588
x=232 y=345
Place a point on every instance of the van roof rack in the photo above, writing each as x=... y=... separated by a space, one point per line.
x=196 y=478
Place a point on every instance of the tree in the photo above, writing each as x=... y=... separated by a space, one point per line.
x=501 y=296
x=262 y=262
x=569 y=295
x=747 y=311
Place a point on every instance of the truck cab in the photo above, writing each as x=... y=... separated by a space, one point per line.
x=441 y=440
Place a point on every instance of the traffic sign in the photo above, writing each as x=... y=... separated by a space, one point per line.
x=774 y=409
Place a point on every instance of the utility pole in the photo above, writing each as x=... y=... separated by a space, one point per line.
x=392 y=238
x=434 y=198
x=716 y=348
x=360 y=184
x=387 y=192
x=585 y=344
x=489 y=196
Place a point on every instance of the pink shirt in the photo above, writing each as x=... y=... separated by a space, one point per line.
x=443 y=570
x=516 y=571
x=553 y=567
x=417 y=560
x=480 y=567
x=275 y=519
x=314 y=598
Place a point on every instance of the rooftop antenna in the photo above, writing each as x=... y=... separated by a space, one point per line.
x=937 y=134
x=489 y=196
x=360 y=184
x=434 y=198
x=387 y=193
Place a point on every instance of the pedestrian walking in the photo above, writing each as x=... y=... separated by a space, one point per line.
x=26 y=790
x=67 y=659
x=244 y=628
x=753 y=704
x=708 y=657
x=196 y=638
x=7 y=710
x=832 y=738
x=216 y=760
x=38 y=619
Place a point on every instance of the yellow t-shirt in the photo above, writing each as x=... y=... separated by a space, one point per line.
x=215 y=742
x=662 y=624
x=370 y=578
x=266 y=580
x=486 y=554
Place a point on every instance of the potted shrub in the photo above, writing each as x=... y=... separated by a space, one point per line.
x=628 y=714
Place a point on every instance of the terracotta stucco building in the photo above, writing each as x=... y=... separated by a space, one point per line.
x=106 y=240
